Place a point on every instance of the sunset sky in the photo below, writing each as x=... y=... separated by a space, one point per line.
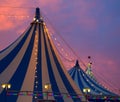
x=90 y=27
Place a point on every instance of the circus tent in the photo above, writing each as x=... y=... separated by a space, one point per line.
x=86 y=82
x=30 y=63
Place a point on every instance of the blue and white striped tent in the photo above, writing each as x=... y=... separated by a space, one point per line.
x=30 y=63
x=84 y=80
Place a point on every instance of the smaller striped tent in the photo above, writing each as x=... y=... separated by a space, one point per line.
x=34 y=69
x=85 y=81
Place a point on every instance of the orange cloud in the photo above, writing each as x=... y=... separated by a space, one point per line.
x=12 y=12
x=11 y=15
x=5 y=23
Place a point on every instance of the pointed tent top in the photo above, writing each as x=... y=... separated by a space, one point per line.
x=77 y=64
x=38 y=17
x=37 y=14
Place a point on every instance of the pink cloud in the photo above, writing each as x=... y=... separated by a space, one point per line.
x=85 y=19
x=88 y=23
x=47 y=2
x=105 y=71
x=5 y=23
x=12 y=14
x=52 y=5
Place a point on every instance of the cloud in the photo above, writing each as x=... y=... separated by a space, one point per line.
x=13 y=12
x=51 y=5
x=88 y=23
x=10 y=16
x=5 y=23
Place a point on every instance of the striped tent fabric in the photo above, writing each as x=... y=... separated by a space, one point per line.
x=32 y=62
x=84 y=80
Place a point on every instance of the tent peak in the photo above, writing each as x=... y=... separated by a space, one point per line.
x=77 y=63
x=37 y=13
x=37 y=17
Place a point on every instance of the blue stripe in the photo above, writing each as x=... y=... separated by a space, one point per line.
x=88 y=84
x=18 y=78
x=70 y=71
x=98 y=86
x=80 y=81
x=73 y=74
x=3 y=97
x=8 y=59
x=38 y=69
x=53 y=82
x=63 y=76
x=75 y=77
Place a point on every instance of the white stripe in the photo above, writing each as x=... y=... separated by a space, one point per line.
x=75 y=87
x=72 y=73
x=58 y=79
x=10 y=70
x=28 y=83
x=8 y=50
x=45 y=76
x=95 y=86
x=76 y=78
x=82 y=81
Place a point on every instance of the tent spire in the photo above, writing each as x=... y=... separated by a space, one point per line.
x=37 y=17
x=37 y=13
x=77 y=63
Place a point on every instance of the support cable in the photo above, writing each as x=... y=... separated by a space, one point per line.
x=65 y=42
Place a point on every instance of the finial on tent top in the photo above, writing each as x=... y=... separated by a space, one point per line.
x=37 y=17
x=89 y=57
x=37 y=14
x=77 y=63
x=89 y=65
x=90 y=62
